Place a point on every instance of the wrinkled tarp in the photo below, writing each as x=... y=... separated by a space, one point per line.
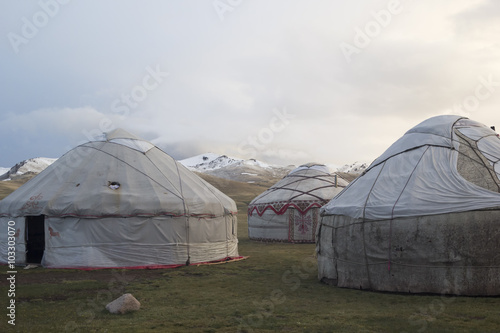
x=416 y=221
x=418 y=175
x=151 y=184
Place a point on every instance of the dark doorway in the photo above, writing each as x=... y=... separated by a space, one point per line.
x=35 y=239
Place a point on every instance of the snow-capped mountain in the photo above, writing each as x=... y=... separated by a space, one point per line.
x=237 y=169
x=355 y=168
x=212 y=161
x=222 y=166
x=208 y=161
x=32 y=165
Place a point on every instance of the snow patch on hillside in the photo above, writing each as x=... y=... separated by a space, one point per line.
x=223 y=166
x=356 y=167
x=192 y=162
x=217 y=165
x=32 y=165
x=209 y=161
x=254 y=162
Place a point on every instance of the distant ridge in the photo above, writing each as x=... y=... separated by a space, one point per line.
x=32 y=165
x=223 y=166
x=208 y=161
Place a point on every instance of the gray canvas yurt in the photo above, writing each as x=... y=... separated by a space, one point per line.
x=423 y=218
x=289 y=210
x=118 y=202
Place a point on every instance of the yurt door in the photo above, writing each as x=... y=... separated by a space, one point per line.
x=35 y=239
x=303 y=225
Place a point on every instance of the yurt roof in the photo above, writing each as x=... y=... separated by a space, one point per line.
x=444 y=164
x=308 y=182
x=311 y=166
x=116 y=175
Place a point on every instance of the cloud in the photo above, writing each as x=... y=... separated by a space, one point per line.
x=49 y=132
x=227 y=76
x=476 y=21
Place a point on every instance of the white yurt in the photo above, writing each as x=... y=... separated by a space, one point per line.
x=423 y=218
x=289 y=210
x=117 y=202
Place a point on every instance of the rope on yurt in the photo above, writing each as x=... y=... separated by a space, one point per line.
x=302 y=177
x=394 y=207
x=305 y=193
x=415 y=265
x=227 y=241
x=480 y=161
x=165 y=176
x=186 y=213
x=475 y=148
x=363 y=227
x=207 y=188
x=125 y=162
x=322 y=200
x=309 y=193
x=450 y=137
x=292 y=185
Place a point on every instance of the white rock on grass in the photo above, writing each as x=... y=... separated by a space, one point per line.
x=123 y=304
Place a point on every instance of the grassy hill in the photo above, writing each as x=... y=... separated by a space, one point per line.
x=9 y=186
x=241 y=193
x=274 y=290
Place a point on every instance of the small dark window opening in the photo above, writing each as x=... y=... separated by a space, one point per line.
x=114 y=185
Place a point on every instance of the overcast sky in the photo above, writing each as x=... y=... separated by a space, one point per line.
x=283 y=81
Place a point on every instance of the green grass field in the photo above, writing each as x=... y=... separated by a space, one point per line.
x=274 y=290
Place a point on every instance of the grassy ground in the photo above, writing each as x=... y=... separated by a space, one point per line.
x=274 y=290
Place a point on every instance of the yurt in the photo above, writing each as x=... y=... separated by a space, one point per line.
x=117 y=202
x=289 y=210
x=423 y=218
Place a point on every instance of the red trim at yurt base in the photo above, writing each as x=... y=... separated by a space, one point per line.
x=213 y=262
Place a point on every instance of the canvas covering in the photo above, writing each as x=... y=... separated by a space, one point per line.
x=418 y=174
x=422 y=218
x=123 y=202
x=289 y=210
